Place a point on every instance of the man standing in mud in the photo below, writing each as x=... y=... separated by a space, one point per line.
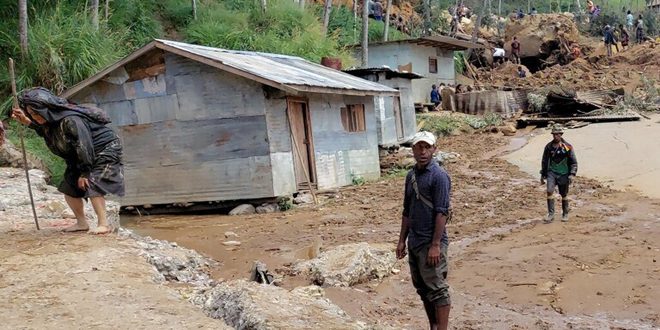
x=558 y=167
x=426 y=211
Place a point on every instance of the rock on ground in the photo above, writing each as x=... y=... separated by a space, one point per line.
x=172 y=262
x=243 y=209
x=268 y=208
x=349 y=264
x=51 y=207
x=250 y=305
x=10 y=156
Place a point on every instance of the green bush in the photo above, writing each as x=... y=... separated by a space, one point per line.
x=284 y=28
x=57 y=60
x=37 y=147
x=139 y=18
x=440 y=125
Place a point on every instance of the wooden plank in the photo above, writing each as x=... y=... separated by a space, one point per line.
x=173 y=143
x=121 y=113
x=76 y=88
x=206 y=92
x=156 y=109
x=218 y=180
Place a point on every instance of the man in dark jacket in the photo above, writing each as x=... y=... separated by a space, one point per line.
x=558 y=167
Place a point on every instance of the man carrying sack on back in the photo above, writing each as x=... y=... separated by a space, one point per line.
x=426 y=211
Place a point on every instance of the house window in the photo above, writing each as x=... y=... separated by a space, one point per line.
x=433 y=65
x=352 y=118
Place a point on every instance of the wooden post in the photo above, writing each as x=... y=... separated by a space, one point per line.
x=95 y=14
x=365 y=33
x=386 y=30
x=12 y=76
x=326 y=16
x=427 y=18
x=107 y=10
x=23 y=27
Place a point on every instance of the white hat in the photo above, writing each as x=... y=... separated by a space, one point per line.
x=427 y=137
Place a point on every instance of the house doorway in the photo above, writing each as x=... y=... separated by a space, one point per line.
x=398 y=117
x=302 y=145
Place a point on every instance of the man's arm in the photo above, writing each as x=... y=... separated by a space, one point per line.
x=544 y=162
x=403 y=234
x=573 y=161
x=441 y=205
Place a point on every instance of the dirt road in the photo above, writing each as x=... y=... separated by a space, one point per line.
x=507 y=270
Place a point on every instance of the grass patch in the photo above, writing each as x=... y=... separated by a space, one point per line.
x=36 y=146
x=440 y=125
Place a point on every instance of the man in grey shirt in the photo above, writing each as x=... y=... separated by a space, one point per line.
x=426 y=210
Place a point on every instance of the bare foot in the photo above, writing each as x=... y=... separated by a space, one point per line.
x=75 y=228
x=100 y=230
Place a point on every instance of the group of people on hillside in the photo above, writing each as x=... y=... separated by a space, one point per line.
x=612 y=36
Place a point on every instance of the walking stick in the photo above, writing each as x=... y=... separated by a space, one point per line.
x=20 y=134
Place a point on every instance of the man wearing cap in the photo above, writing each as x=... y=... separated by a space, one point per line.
x=558 y=167
x=426 y=211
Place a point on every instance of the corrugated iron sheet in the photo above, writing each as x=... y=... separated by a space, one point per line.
x=287 y=70
x=506 y=103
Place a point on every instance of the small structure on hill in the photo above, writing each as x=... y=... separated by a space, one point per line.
x=202 y=124
x=395 y=115
x=432 y=57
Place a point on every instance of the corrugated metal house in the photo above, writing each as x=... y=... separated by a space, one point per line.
x=432 y=57
x=206 y=124
x=395 y=115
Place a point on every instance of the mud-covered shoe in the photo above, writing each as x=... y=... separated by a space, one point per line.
x=564 y=217
x=549 y=218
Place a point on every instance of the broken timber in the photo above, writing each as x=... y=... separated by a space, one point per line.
x=524 y=121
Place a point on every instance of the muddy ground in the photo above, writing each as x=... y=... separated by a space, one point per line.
x=507 y=269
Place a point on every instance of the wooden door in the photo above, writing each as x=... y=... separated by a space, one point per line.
x=301 y=143
x=398 y=118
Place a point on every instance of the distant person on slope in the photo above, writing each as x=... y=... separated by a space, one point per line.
x=515 y=51
x=624 y=35
x=92 y=151
x=378 y=10
x=435 y=96
x=558 y=166
x=630 y=20
x=608 y=37
x=639 y=30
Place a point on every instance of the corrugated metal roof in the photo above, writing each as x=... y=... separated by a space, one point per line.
x=290 y=73
x=389 y=71
x=444 y=42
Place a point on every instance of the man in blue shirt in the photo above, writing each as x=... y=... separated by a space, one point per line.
x=435 y=96
x=426 y=211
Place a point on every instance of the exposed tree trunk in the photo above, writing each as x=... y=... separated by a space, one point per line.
x=528 y=6
x=263 y=5
x=23 y=26
x=355 y=16
x=365 y=33
x=194 y=9
x=107 y=9
x=386 y=31
x=579 y=8
x=94 y=6
x=499 y=8
x=475 y=32
x=326 y=16
x=427 y=18
x=301 y=3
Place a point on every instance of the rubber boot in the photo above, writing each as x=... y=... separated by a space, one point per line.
x=564 y=209
x=551 y=210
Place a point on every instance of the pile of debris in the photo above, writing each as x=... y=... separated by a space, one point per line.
x=546 y=38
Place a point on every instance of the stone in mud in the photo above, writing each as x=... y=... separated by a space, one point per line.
x=268 y=208
x=349 y=264
x=231 y=243
x=172 y=263
x=10 y=156
x=303 y=199
x=242 y=209
x=250 y=305
x=508 y=130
